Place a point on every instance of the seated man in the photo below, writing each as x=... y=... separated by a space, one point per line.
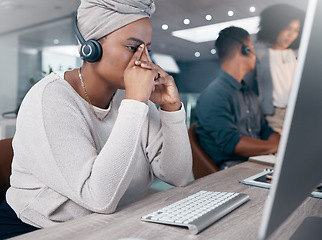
x=230 y=126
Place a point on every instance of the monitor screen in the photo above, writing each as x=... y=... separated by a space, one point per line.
x=298 y=168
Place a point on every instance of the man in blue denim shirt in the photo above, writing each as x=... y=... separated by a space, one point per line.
x=231 y=126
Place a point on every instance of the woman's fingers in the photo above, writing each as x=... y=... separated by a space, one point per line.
x=167 y=80
x=150 y=81
x=146 y=62
x=137 y=55
x=151 y=65
x=147 y=54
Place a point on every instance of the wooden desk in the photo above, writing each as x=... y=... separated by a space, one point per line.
x=243 y=223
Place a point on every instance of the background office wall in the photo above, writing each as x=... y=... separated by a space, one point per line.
x=196 y=76
x=28 y=68
x=8 y=72
x=25 y=60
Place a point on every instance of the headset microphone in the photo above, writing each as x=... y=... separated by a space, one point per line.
x=91 y=50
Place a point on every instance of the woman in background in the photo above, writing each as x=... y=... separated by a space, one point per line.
x=280 y=28
x=92 y=139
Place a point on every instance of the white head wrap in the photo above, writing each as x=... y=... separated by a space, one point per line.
x=97 y=18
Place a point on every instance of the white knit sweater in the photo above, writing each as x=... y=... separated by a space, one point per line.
x=68 y=164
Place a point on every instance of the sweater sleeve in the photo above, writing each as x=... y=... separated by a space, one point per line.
x=169 y=148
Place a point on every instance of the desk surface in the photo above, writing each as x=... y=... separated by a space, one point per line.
x=243 y=223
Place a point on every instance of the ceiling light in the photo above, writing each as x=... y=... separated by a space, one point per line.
x=186 y=21
x=197 y=54
x=252 y=9
x=165 y=27
x=210 y=32
x=230 y=13
x=213 y=51
x=208 y=17
x=56 y=41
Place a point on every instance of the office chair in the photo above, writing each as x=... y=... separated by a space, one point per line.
x=202 y=164
x=6 y=155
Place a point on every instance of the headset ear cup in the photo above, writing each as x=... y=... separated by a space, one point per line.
x=245 y=50
x=91 y=51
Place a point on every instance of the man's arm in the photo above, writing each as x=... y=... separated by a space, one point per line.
x=248 y=146
x=275 y=137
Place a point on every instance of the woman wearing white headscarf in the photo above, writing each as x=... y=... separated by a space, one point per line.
x=92 y=139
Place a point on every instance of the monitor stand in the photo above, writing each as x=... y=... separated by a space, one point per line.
x=310 y=228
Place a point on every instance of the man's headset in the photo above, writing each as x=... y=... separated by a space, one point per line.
x=91 y=50
x=245 y=50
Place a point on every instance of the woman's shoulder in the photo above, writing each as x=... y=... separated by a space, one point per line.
x=38 y=89
x=52 y=80
x=54 y=87
x=51 y=91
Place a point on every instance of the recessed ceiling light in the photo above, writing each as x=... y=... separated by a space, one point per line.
x=208 y=17
x=56 y=41
x=213 y=51
x=230 y=13
x=186 y=21
x=252 y=9
x=197 y=54
x=164 y=26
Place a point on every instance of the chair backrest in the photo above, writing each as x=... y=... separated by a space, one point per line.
x=6 y=155
x=202 y=164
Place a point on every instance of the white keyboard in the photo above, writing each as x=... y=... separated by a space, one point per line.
x=198 y=210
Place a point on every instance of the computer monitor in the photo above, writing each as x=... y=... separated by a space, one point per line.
x=298 y=168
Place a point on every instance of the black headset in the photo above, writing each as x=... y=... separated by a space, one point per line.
x=245 y=50
x=91 y=50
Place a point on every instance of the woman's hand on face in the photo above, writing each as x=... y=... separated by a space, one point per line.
x=164 y=91
x=139 y=81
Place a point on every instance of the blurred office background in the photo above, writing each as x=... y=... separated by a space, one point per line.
x=37 y=37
